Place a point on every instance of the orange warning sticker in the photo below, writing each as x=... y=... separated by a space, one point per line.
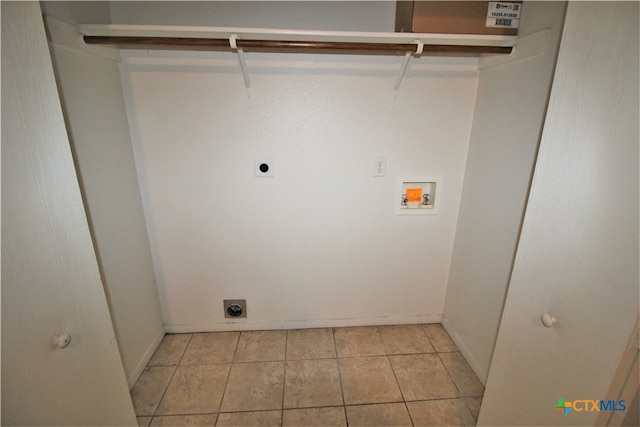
x=414 y=195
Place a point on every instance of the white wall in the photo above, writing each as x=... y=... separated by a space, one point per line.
x=507 y=123
x=78 y=12
x=300 y=15
x=319 y=243
x=91 y=94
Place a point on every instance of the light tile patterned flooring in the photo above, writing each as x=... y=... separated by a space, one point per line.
x=362 y=376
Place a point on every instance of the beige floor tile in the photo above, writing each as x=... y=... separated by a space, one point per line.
x=405 y=339
x=473 y=403
x=214 y=347
x=195 y=389
x=310 y=344
x=312 y=383
x=368 y=380
x=170 y=350
x=254 y=387
x=320 y=417
x=439 y=338
x=261 y=346
x=149 y=388
x=444 y=412
x=358 y=341
x=463 y=376
x=389 y=414
x=185 y=420
x=440 y=389
x=251 y=419
x=423 y=376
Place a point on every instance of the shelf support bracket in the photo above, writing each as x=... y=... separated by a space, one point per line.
x=241 y=58
x=405 y=63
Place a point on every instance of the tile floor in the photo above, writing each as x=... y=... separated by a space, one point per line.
x=362 y=376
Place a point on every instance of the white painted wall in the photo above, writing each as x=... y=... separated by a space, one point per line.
x=50 y=278
x=299 y=15
x=75 y=12
x=99 y=131
x=510 y=107
x=578 y=254
x=91 y=93
x=319 y=243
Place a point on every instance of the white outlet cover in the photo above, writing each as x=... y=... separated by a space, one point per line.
x=263 y=168
x=379 y=166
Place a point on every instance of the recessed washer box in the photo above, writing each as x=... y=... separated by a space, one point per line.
x=418 y=195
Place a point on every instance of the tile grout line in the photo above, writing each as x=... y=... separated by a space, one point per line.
x=387 y=402
x=164 y=393
x=285 y=360
x=450 y=376
x=460 y=395
x=185 y=350
x=426 y=335
x=344 y=403
x=404 y=400
x=443 y=364
x=224 y=390
x=284 y=376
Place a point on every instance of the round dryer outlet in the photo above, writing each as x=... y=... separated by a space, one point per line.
x=234 y=309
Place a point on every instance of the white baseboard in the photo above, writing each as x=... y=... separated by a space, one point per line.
x=148 y=354
x=244 y=325
x=480 y=373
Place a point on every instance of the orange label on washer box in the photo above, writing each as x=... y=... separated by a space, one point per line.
x=414 y=195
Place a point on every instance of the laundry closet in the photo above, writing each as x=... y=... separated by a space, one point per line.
x=282 y=180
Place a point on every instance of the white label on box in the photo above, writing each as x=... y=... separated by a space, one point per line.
x=503 y=15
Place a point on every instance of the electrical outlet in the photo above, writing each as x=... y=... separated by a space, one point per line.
x=380 y=166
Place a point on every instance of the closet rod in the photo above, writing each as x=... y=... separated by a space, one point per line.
x=186 y=42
